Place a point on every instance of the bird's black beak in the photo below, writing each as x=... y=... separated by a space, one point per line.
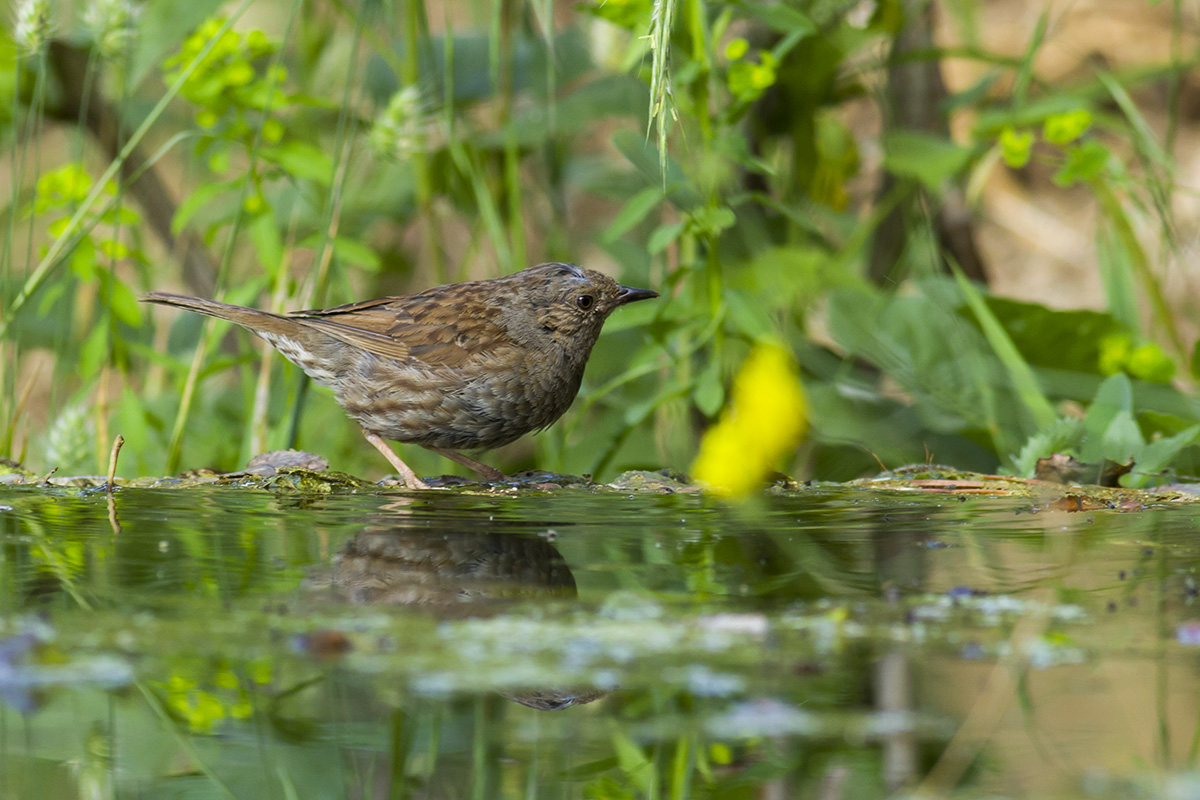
x=628 y=294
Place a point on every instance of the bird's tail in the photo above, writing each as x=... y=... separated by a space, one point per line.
x=251 y=318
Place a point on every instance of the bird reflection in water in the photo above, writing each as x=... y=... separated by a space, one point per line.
x=456 y=575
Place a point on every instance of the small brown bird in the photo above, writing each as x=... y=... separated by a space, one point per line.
x=465 y=366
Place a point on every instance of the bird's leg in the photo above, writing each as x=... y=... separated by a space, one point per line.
x=488 y=473
x=406 y=474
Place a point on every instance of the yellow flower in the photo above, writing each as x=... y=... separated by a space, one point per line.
x=766 y=418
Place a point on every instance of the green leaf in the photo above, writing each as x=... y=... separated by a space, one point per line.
x=356 y=253
x=1148 y=362
x=663 y=236
x=637 y=413
x=121 y=300
x=198 y=199
x=709 y=391
x=780 y=17
x=83 y=259
x=1085 y=162
x=1016 y=147
x=135 y=421
x=1159 y=454
x=634 y=211
x=1122 y=439
x=1118 y=272
x=9 y=65
x=268 y=245
x=94 y=352
x=1062 y=129
x=644 y=155
x=162 y=25
x=301 y=160
x=1073 y=340
x=924 y=157
x=751 y=319
x=711 y=221
x=638 y=769
x=1018 y=368
x=1114 y=397
x=1063 y=435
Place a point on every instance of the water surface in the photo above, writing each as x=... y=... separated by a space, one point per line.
x=829 y=643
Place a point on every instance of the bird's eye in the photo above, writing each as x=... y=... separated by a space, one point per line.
x=585 y=301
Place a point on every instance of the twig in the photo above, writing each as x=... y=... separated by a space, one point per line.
x=112 y=462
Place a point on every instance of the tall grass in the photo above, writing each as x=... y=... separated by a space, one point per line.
x=708 y=149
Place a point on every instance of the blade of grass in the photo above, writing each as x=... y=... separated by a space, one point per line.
x=416 y=41
x=207 y=338
x=57 y=248
x=512 y=155
x=8 y=377
x=1025 y=72
x=1018 y=369
x=1151 y=285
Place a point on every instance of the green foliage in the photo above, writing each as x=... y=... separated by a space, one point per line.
x=342 y=152
x=1108 y=432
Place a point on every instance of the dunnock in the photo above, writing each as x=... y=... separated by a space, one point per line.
x=465 y=366
x=449 y=574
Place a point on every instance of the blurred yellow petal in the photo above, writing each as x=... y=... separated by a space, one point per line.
x=766 y=419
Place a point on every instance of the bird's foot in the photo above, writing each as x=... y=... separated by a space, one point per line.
x=486 y=472
x=409 y=477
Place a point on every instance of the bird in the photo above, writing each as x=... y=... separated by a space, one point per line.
x=462 y=366
x=451 y=574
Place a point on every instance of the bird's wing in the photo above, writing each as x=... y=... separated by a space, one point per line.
x=446 y=327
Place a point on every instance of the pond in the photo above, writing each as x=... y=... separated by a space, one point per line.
x=826 y=642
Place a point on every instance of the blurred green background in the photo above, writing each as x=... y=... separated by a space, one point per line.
x=971 y=223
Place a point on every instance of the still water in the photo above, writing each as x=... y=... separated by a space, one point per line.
x=828 y=643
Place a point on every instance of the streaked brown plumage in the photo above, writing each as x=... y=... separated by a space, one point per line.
x=450 y=574
x=465 y=366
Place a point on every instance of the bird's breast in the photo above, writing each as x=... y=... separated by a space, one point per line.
x=486 y=403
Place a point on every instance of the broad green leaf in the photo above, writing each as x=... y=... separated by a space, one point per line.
x=1017 y=146
x=356 y=253
x=121 y=300
x=663 y=236
x=634 y=211
x=711 y=220
x=301 y=160
x=163 y=24
x=709 y=392
x=633 y=762
x=94 y=352
x=9 y=64
x=268 y=245
x=1018 y=368
x=83 y=259
x=637 y=413
x=1159 y=454
x=1047 y=337
x=1062 y=129
x=924 y=157
x=1122 y=440
x=197 y=199
x=1064 y=435
x=1114 y=397
x=785 y=19
x=753 y=320
x=644 y=155
x=1085 y=162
